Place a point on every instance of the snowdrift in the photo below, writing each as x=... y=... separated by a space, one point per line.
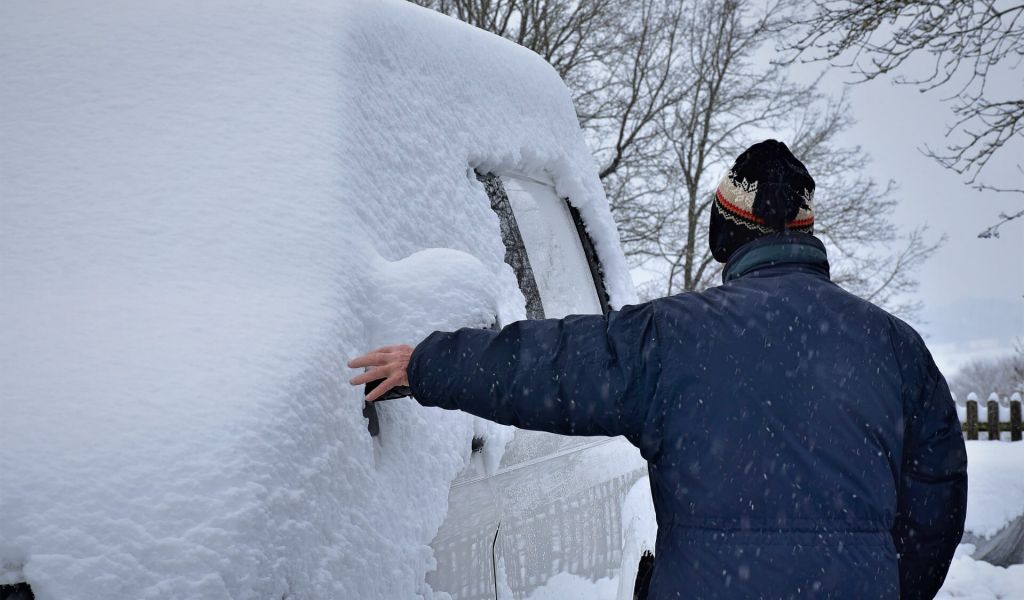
x=995 y=502
x=206 y=209
x=988 y=563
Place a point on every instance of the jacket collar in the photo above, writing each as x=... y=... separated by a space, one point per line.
x=788 y=248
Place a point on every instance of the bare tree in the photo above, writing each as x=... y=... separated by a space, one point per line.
x=621 y=115
x=966 y=41
x=731 y=102
x=570 y=35
x=727 y=98
x=620 y=60
x=992 y=231
x=668 y=93
x=1003 y=375
x=870 y=256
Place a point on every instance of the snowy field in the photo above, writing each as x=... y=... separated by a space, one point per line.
x=978 y=580
x=995 y=506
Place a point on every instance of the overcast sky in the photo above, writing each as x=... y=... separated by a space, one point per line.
x=972 y=289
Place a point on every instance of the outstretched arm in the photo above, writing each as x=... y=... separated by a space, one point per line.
x=581 y=375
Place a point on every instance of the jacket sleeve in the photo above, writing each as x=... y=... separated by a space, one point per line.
x=932 y=502
x=581 y=375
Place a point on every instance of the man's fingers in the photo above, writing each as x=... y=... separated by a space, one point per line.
x=382 y=389
x=388 y=364
x=372 y=359
x=371 y=375
x=375 y=357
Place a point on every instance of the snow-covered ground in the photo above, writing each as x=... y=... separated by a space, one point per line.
x=995 y=507
x=995 y=472
x=979 y=580
x=995 y=502
x=968 y=579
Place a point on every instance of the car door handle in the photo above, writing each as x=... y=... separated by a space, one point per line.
x=399 y=391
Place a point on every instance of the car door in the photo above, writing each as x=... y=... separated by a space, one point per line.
x=553 y=505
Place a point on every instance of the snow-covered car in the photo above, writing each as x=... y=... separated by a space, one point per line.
x=204 y=211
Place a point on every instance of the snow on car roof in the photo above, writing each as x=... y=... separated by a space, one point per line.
x=206 y=210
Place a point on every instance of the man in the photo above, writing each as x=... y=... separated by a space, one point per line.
x=801 y=441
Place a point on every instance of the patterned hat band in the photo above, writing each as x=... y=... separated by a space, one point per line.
x=735 y=200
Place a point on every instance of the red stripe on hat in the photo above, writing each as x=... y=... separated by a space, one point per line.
x=795 y=223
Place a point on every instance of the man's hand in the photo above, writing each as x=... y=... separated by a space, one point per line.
x=389 y=363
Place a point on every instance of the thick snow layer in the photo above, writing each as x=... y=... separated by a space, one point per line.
x=639 y=534
x=464 y=100
x=206 y=209
x=970 y=579
x=995 y=485
x=566 y=586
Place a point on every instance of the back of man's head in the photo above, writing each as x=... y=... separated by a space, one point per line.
x=767 y=191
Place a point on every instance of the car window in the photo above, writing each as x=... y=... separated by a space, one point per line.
x=555 y=248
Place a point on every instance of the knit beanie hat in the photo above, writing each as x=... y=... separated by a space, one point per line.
x=767 y=191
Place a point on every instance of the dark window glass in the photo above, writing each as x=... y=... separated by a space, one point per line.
x=515 y=250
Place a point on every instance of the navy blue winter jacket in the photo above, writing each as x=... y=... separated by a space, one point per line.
x=801 y=441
